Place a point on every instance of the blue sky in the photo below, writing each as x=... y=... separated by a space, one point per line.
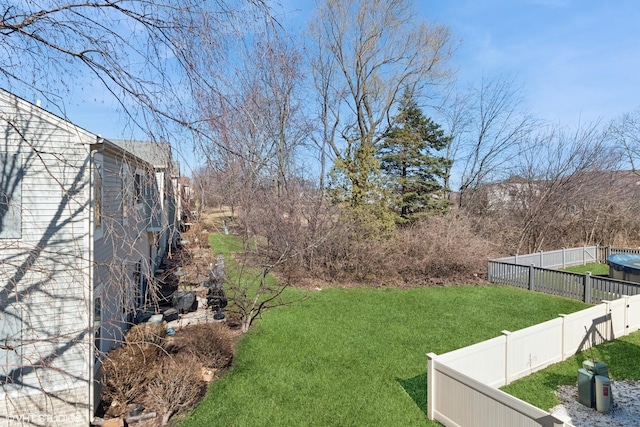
x=579 y=60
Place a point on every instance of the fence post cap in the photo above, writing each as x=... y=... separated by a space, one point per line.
x=431 y=355
x=505 y=332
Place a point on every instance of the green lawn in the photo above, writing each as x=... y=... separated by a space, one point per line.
x=356 y=357
x=596 y=269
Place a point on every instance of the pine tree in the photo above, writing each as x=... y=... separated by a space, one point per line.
x=408 y=158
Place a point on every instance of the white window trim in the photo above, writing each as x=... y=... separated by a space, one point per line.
x=98 y=233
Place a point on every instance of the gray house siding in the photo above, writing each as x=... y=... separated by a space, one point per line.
x=160 y=194
x=45 y=268
x=81 y=226
x=123 y=254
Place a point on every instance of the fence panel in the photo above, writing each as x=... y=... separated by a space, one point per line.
x=559 y=258
x=529 y=259
x=533 y=348
x=463 y=401
x=617 y=311
x=561 y=283
x=552 y=259
x=484 y=361
x=633 y=313
x=580 y=256
x=583 y=329
x=624 y=251
x=605 y=289
x=509 y=274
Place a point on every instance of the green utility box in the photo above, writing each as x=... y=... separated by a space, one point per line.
x=586 y=391
x=596 y=368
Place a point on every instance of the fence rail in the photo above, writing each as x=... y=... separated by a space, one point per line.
x=536 y=273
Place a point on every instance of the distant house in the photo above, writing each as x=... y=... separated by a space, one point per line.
x=84 y=223
x=511 y=193
x=518 y=193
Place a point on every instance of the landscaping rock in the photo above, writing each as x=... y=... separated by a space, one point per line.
x=170 y=315
x=185 y=302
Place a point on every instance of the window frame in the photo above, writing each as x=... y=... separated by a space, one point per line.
x=13 y=214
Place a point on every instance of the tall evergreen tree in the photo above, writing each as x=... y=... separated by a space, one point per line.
x=408 y=158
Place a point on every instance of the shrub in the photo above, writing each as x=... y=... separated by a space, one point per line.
x=210 y=343
x=147 y=334
x=125 y=372
x=176 y=384
x=434 y=250
x=127 y=369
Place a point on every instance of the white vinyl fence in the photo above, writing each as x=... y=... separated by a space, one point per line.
x=462 y=384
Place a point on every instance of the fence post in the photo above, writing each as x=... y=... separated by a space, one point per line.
x=587 y=288
x=541 y=260
x=531 y=282
x=489 y=271
x=626 y=315
x=564 y=335
x=506 y=356
x=516 y=261
x=431 y=378
x=564 y=263
x=584 y=254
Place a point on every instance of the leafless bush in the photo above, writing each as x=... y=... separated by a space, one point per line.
x=440 y=249
x=176 y=384
x=126 y=371
x=146 y=334
x=210 y=343
x=437 y=249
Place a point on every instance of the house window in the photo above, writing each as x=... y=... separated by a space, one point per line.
x=11 y=177
x=97 y=325
x=138 y=188
x=10 y=346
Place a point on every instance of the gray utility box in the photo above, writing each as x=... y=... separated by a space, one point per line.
x=603 y=394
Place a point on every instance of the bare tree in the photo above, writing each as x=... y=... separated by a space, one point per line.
x=488 y=125
x=555 y=186
x=367 y=52
x=144 y=57
x=625 y=131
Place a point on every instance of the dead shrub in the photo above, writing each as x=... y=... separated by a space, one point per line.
x=125 y=372
x=148 y=334
x=176 y=384
x=434 y=250
x=210 y=343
